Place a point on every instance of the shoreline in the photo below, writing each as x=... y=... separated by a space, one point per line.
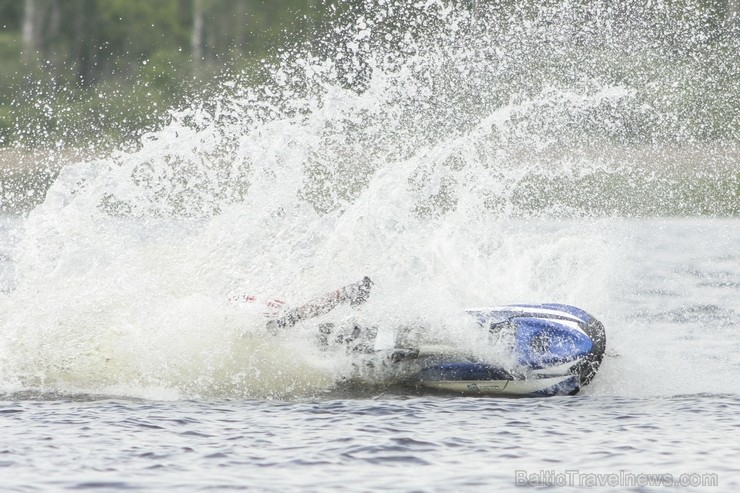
x=20 y=160
x=640 y=181
x=669 y=156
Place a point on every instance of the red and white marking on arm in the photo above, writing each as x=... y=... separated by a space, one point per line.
x=271 y=308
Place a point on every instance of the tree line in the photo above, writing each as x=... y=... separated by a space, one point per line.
x=98 y=57
x=90 y=39
x=69 y=68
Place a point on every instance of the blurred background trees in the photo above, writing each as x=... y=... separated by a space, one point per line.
x=117 y=64
x=79 y=72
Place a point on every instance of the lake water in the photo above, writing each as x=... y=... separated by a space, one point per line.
x=576 y=152
x=666 y=402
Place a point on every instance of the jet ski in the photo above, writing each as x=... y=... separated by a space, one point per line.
x=548 y=349
x=553 y=349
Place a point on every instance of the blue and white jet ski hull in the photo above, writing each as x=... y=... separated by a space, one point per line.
x=556 y=350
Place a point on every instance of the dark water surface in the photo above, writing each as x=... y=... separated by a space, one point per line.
x=389 y=443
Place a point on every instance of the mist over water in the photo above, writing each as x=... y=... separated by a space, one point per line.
x=459 y=157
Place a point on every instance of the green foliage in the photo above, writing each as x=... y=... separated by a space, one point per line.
x=9 y=45
x=11 y=67
x=11 y=12
x=6 y=125
x=138 y=28
x=101 y=70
